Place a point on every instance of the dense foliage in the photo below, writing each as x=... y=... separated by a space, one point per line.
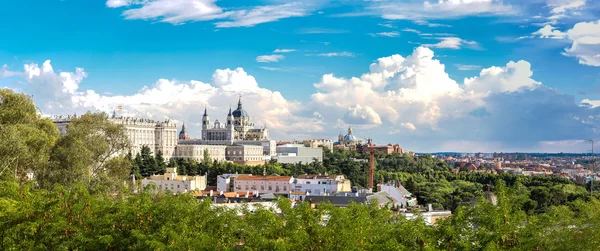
x=72 y=218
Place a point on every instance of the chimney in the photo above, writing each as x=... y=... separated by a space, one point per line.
x=429 y=207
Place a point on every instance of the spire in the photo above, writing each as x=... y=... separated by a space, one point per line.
x=229 y=115
x=350 y=130
x=183 y=127
x=114 y=115
x=240 y=102
x=205 y=111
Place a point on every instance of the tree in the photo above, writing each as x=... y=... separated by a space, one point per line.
x=26 y=138
x=206 y=160
x=161 y=164
x=135 y=165
x=149 y=165
x=91 y=152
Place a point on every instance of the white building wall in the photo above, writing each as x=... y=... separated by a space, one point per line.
x=224 y=182
x=263 y=186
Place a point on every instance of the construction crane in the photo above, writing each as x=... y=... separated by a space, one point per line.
x=371 y=167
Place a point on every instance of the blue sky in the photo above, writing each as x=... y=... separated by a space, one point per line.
x=164 y=59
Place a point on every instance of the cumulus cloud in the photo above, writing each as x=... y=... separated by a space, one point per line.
x=503 y=108
x=585 y=39
x=416 y=90
x=408 y=126
x=453 y=43
x=269 y=58
x=549 y=32
x=362 y=116
x=59 y=93
x=181 y=11
x=513 y=77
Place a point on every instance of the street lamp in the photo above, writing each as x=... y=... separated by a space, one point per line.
x=593 y=166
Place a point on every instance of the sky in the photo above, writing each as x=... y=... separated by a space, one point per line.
x=437 y=75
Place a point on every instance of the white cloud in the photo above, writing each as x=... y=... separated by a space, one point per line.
x=467 y=67
x=385 y=34
x=585 y=39
x=513 y=77
x=591 y=103
x=586 y=43
x=419 y=11
x=453 y=43
x=387 y=25
x=269 y=58
x=59 y=93
x=319 y=30
x=271 y=68
x=359 y=115
x=549 y=32
x=423 y=22
x=411 y=30
x=283 y=50
x=181 y=11
x=395 y=93
x=118 y=3
x=5 y=73
x=408 y=126
x=265 y=14
x=562 y=6
x=416 y=89
x=336 y=54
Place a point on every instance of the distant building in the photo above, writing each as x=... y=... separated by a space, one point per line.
x=171 y=181
x=158 y=136
x=296 y=153
x=402 y=197
x=225 y=182
x=321 y=184
x=348 y=141
x=263 y=184
x=326 y=144
x=385 y=149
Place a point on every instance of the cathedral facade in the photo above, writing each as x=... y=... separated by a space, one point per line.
x=235 y=140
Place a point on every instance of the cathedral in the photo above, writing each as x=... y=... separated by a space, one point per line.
x=235 y=140
x=237 y=128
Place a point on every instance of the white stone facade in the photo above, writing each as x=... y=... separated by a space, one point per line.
x=225 y=182
x=195 y=152
x=158 y=136
x=263 y=184
x=321 y=184
x=170 y=181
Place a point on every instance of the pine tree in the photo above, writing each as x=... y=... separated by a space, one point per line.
x=149 y=165
x=161 y=165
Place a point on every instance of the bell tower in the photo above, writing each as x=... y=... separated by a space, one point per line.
x=205 y=125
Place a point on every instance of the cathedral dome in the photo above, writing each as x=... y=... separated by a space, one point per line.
x=240 y=112
x=350 y=138
x=183 y=135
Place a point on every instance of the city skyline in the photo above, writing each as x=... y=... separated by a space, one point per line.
x=438 y=76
